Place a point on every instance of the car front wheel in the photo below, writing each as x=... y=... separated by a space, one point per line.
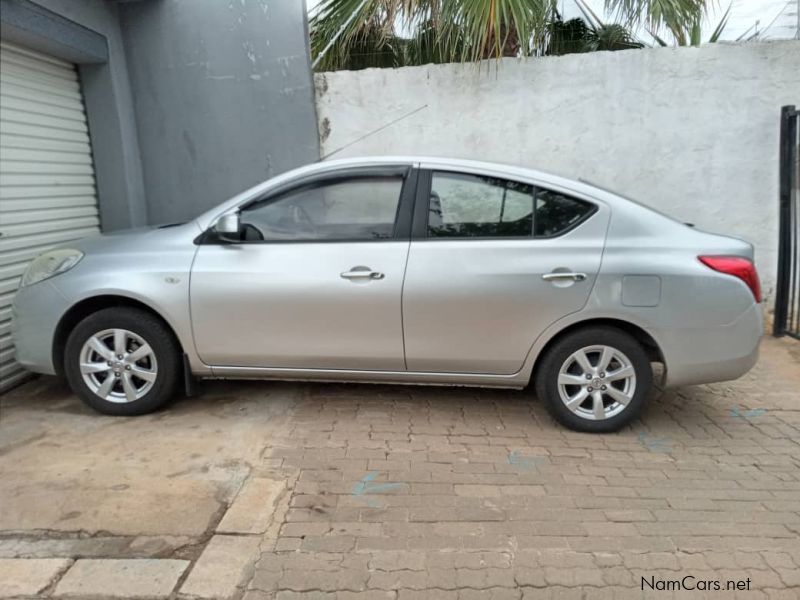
x=595 y=379
x=122 y=361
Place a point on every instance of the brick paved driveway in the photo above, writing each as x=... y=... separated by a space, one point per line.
x=401 y=492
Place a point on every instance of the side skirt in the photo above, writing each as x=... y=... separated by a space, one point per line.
x=515 y=381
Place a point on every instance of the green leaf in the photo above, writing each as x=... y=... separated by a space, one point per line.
x=721 y=26
x=658 y=13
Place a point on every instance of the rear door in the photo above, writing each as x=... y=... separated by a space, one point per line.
x=493 y=262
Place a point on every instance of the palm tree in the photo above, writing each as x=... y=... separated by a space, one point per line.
x=587 y=34
x=360 y=33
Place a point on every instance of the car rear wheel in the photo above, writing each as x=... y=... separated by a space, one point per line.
x=122 y=361
x=595 y=379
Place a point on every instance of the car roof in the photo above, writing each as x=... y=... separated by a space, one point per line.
x=445 y=162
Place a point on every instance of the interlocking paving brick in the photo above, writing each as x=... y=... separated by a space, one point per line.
x=400 y=492
x=121 y=578
x=491 y=499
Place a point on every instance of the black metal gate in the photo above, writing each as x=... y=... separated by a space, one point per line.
x=787 y=300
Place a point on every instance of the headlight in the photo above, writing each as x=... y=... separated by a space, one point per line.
x=51 y=263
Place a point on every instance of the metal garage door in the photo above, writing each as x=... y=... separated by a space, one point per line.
x=47 y=192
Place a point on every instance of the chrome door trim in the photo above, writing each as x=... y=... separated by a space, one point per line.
x=361 y=273
x=556 y=276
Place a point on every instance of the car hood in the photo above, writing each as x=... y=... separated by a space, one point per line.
x=138 y=239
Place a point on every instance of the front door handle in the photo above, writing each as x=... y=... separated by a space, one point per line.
x=361 y=273
x=573 y=276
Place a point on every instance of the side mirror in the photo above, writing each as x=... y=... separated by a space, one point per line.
x=228 y=226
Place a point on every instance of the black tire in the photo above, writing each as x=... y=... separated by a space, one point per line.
x=547 y=374
x=150 y=329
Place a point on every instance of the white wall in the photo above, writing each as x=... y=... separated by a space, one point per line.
x=691 y=131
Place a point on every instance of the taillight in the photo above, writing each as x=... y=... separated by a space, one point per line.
x=738 y=267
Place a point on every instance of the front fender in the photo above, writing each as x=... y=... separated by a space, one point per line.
x=163 y=287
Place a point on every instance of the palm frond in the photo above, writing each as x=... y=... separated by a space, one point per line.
x=612 y=37
x=720 y=26
x=566 y=37
x=588 y=14
x=691 y=34
x=361 y=29
x=362 y=33
x=658 y=40
x=657 y=13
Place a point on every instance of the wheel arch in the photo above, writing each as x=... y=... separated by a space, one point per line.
x=649 y=344
x=88 y=306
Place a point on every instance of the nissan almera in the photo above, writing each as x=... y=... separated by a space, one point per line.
x=400 y=270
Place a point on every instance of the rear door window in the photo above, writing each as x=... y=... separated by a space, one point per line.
x=557 y=213
x=477 y=206
x=465 y=206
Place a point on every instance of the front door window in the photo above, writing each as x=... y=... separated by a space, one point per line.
x=343 y=210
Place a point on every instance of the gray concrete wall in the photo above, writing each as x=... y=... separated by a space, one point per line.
x=106 y=90
x=223 y=97
x=691 y=131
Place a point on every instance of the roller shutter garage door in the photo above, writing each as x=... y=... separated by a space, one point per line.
x=47 y=188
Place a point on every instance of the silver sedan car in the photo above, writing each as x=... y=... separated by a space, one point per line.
x=400 y=270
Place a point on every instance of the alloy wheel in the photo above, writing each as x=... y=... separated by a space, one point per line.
x=118 y=365
x=597 y=382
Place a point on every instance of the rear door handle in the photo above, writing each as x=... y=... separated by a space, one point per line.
x=361 y=273
x=573 y=276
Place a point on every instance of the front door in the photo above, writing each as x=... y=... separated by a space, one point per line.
x=492 y=264
x=314 y=281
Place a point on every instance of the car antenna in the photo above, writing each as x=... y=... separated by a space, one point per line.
x=373 y=132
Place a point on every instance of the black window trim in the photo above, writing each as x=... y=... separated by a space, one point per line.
x=402 y=222
x=593 y=208
x=419 y=230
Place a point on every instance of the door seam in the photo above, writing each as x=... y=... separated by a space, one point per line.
x=414 y=206
x=402 y=312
